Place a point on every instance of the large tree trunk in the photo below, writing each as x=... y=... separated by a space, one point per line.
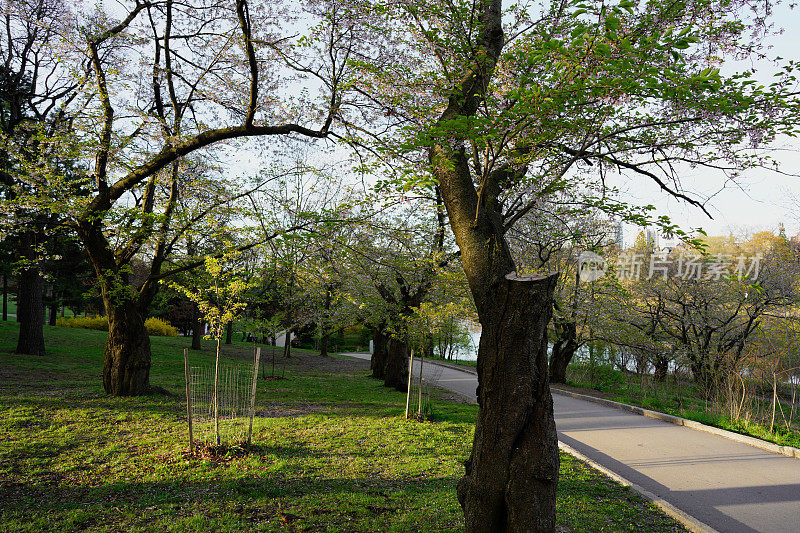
x=30 y=312
x=512 y=473
x=126 y=363
x=323 y=344
x=395 y=373
x=564 y=349
x=379 y=352
x=229 y=333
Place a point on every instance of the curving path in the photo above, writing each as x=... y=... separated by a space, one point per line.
x=730 y=486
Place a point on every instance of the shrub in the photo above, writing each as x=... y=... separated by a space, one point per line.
x=155 y=326
x=160 y=328
x=99 y=323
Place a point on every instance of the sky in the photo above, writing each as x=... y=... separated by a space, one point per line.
x=762 y=199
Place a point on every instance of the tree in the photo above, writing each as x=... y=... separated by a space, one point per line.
x=32 y=85
x=212 y=79
x=391 y=265
x=220 y=301
x=711 y=315
x=571 y=89
x=552 y=237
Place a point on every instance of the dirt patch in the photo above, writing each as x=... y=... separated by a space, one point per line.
x=303 y=362
x=10 y=374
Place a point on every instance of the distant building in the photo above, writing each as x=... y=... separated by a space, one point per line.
x=619 y=238
x=651 y=237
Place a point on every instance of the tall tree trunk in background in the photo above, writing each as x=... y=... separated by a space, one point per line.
x=428 y=350
x=379 y=352
x=705 y=375
x=512 y=473
x=54 y=306
x=30 y=305
x=5 y=297
x=324 y=327
x=229 y=333
x=564 y=348
x=395 y=373
x=197 y=328
x=323 y=345
x=661 y=365
x=30 y=313
x=287 y=345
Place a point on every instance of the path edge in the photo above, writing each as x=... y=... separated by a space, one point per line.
x=787 y=451
x=691 y=523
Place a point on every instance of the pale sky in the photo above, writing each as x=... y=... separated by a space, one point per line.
x=763 y=199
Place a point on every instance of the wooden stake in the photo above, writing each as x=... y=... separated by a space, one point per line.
x=410 y=373
x=188 y=399
x=253 y=396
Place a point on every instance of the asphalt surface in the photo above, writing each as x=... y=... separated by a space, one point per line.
x=730 y=486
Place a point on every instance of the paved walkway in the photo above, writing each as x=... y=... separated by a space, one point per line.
x=730 y=486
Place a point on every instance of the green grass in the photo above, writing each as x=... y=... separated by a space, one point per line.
x=11 y=305
x=460 y=362
x=12 y=308
x=331 y=453
x=684 y=401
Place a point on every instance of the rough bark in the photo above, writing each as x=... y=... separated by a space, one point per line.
x=323 y=345
x=30 y=313
x=379 y=352
x=706 y=376
x=395 y=373
x=661 y=365
x=512 y=473
x=564 y=349
x=287 y=345
x=126 y=362
x=324 y=327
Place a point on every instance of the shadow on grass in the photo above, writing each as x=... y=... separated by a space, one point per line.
x=45 y=497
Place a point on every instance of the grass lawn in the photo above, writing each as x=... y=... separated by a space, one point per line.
x=331 y=453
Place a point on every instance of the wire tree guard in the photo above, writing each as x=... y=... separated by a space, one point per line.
x=234 y=403
x=421 y=378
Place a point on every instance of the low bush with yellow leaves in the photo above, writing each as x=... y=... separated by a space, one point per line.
x=155 y=326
